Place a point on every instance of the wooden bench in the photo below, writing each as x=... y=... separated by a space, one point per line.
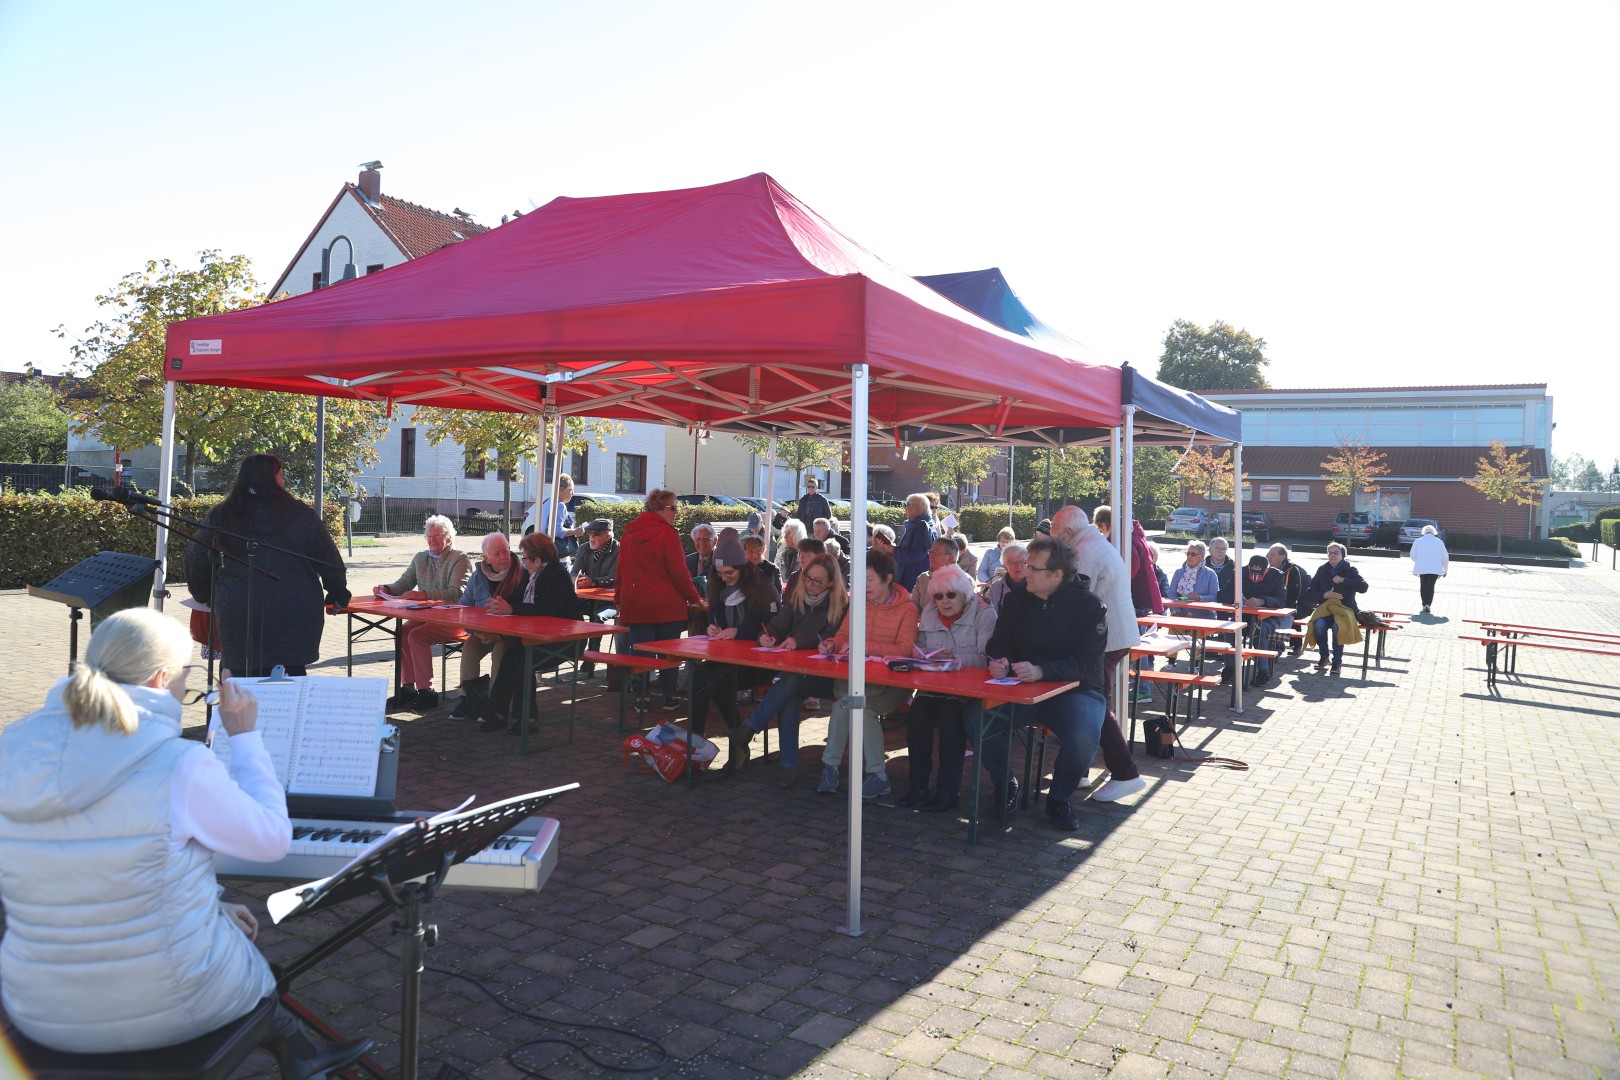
x=1508 y=629
x=1507 y=648
x=631 y=664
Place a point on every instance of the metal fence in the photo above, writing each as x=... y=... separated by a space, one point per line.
x=52 y=479
x=399 y=504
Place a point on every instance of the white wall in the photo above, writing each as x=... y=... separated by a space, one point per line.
x=371 y=245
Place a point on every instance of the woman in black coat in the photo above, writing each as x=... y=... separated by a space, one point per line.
x=544 y=589
x=741 y=603
x=258 y=620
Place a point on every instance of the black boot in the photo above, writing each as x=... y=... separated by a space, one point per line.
x=300 y=1058
x=474 y=692
x=740 y=736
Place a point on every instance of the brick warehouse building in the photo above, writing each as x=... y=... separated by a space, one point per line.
x=1432 y=437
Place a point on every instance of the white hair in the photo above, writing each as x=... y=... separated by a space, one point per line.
x=1067 y=523
x=792 y=532
x=703 y=527
x=494 y=539
x=1198 y=546
x=953 y=576
x=128 y=649
x=832 y=547
x=1429 y=530
x=439 y=521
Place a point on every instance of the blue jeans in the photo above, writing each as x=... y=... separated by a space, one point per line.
x=654 y=631
x=1076 y=718
x=1323 y=627
x=782 y=703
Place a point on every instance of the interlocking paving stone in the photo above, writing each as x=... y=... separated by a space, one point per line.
x=1415 y=877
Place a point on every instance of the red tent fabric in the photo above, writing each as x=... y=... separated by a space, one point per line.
x=733 y=306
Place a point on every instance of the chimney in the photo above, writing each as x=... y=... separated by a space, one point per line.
x=371 y=181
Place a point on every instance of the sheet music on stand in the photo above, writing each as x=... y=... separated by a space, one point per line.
x=322 y=732
x=421 y=848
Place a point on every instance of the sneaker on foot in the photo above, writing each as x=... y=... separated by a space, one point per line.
x=1062 y=815
x=463 y=708
x=874 y=785
x=1115 y=790
x=671 y=703
x=427 y=698
x=812 y=703
x=829 y=780
x=1144 y=692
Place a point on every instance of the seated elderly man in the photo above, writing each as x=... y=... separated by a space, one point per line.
x=1056 y=629
x=596 y=566
x=700 y=565
x=497 y=575
x=941 y=553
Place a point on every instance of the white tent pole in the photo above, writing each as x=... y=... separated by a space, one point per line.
x=1238 y=560
x=556 y=475
x=320 y=458
x=857 y=635
x=1116 y=692
x=165 y=489
x=1127 y=499
x=770 y=502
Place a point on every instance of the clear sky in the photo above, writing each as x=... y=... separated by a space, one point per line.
x=1388 y=193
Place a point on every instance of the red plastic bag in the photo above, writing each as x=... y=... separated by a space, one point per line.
x=668 y=758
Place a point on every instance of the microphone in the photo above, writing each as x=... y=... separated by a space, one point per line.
x=123 y=496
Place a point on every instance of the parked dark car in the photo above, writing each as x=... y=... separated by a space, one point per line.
x=1258 y=524
x=1412 y=528
x=531 y=520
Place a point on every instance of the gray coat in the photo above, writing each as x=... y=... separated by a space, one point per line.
x=286 y=614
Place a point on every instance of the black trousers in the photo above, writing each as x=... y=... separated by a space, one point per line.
x=1426 y=587
x=930 y=715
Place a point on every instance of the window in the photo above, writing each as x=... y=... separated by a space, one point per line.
x=475 y=464
x=1299 y=493
x=1248 y=490
x=580 y=467
x=1271 y=493
x=506 y=472
x=407 y=451
x=373 y=268
x=315 y=281
x=630 y=474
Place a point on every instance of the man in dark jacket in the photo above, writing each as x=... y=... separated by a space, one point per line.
x=1262 y=588
x=1294 y=579
x=812 y=504
x=596 y=565
x=1055 y=629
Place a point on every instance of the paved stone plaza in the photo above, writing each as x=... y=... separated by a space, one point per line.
x=1413 y=878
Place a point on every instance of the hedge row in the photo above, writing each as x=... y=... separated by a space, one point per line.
x=43 y=535
x=1609 y=527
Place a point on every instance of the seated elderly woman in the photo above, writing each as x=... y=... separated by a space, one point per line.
x=809 y=614
x=544 y=588
x=1012 y=575
x=116 y=938
x=956 y=624
x=741 y=602
x=1195 y=582
x=990 y=561
x=439 y=573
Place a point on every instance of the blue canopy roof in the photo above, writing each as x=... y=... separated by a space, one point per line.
x=1164 y=413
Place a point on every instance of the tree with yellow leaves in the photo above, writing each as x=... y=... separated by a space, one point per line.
x=1505 y=478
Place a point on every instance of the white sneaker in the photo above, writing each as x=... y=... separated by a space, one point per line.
x=1114 y=790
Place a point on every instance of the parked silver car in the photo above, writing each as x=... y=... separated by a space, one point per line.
x=1412 y=528
x=1191 y=519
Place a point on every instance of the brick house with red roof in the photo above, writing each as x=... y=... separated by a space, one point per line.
x=1432 y=438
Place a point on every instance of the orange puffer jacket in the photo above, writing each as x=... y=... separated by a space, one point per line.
x=891 y=629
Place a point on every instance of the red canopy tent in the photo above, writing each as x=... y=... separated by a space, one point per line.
x=730 y=307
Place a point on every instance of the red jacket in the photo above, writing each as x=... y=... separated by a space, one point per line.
x=652 y=584
x=1144 y=583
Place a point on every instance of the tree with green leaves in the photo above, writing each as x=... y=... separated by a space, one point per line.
x=1079 y=474
x=1156 y=489
x=1505 y=478
x=511 y=438
x=951 y=467
x=1219 y=358
x=33 y=427
x=120 y=359
x=1353 y=467
x=796 y=454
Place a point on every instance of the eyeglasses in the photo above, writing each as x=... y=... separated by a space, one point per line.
x=951 y=595
x=808 y=580
x=1033 y=569
x=671 y=506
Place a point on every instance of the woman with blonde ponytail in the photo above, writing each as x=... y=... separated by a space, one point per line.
x=105 y=811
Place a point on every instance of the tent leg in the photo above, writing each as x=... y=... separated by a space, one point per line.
x=1116 y=692
x=165 y=490
x=857 y=636
x=1238 y=560
x=320 y=458
x=770 y=502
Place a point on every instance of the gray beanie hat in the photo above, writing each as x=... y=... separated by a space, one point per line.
x=729 y=550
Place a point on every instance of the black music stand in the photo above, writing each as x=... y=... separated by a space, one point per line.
x=424 y=850
x=106 y=583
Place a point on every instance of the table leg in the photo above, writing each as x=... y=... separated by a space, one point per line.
x=691 y=707
x=977 y=784
x=526 y=689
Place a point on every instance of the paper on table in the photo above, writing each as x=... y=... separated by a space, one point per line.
x=769 y=648
x=1005 y=680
